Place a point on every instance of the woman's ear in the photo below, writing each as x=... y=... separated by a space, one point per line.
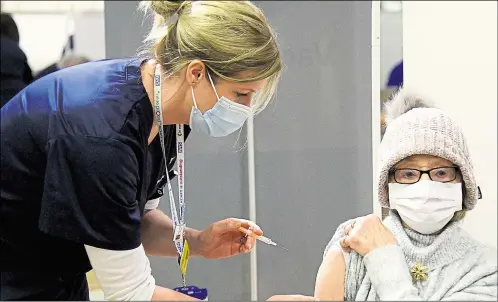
x=195 y=72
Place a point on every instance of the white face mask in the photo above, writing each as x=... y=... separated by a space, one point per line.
x=426 y=206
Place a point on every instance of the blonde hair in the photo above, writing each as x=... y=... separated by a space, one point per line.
x=230 y=37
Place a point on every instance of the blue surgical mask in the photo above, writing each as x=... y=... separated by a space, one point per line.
x=223 y=119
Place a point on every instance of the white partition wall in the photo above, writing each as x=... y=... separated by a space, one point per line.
x=377 y=81
x=450 y=52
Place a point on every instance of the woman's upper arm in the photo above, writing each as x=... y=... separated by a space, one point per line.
x=122 y=275
x=331 y=276
x=329 y=285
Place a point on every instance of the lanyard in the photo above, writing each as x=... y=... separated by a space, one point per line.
x=178 y=219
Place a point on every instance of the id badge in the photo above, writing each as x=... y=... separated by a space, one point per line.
x=178 y=232
x=194 y=292
x=178 y=238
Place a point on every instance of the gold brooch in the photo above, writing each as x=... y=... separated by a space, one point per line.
x=419 y=272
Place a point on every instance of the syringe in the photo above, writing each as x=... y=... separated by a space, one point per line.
x=260 y=238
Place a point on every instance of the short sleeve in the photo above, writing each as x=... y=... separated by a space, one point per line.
x=152 y=204
x=89 y=194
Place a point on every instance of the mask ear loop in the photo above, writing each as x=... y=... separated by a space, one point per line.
x=193 y=98
x=212 y=85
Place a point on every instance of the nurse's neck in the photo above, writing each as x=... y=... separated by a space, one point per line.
x=174 y=109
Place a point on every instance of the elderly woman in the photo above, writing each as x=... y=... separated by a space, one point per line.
x=420 y=251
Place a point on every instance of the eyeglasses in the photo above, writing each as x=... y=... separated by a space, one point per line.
x=411 y=176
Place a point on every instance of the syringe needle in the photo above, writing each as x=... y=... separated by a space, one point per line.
x=271 y=242
x=260 y=238
x=281 y=247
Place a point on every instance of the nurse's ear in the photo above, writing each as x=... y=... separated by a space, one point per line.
x=195 y=72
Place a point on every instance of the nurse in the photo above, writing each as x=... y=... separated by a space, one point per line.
x=86 y=153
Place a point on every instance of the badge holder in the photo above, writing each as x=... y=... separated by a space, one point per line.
x=191 y=290
x=194 y=292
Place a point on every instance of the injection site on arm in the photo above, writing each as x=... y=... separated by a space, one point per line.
x=329 y=284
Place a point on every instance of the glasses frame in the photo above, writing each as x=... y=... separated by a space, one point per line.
x=422 y=172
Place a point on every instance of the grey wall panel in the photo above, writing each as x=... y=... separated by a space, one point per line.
x=313 y=145
x=125 y=28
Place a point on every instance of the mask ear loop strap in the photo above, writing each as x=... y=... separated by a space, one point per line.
x=212 y=84
x=193 y=98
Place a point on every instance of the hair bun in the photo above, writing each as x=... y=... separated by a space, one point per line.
x=165 y=8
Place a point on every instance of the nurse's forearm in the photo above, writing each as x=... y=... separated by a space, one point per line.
x=157 y=235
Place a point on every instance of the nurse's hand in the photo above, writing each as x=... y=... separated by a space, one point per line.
x=223 y=239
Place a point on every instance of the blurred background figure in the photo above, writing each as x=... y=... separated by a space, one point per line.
x=15 y=73
x=394 y=82
x=69 y=58
x=396 y=76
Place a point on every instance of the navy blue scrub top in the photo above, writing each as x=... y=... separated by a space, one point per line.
x=76 y=169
